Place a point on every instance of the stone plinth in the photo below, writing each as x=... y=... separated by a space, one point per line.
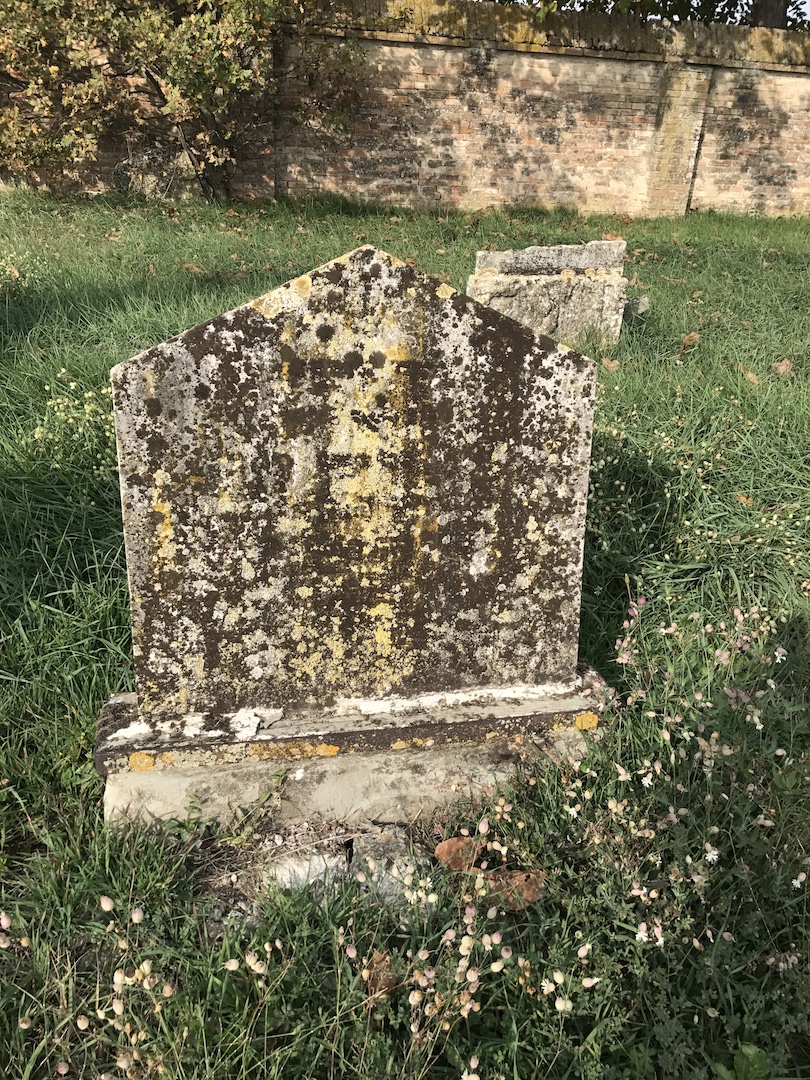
x=353 y=513
x=564 y=290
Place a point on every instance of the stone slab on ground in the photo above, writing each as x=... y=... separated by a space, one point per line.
x=564 y=291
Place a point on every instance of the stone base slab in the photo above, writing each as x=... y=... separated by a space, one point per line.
x=356 y=767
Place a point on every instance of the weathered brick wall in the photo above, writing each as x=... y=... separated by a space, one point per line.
x=473 y=104
x=470 y=104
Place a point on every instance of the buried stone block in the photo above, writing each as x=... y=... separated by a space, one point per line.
x=565 y=290
x=353 y=515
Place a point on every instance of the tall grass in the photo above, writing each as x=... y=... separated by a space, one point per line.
x=672 y=937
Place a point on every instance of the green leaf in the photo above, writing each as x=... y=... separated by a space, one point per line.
x=722 y=1071
x=751 y=1063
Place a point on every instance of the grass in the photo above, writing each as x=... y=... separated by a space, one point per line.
x=672 y=937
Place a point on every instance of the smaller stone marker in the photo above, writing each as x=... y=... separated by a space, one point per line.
x=353 y=513
x=565 y=291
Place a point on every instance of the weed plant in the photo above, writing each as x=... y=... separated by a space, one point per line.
x=671 y=940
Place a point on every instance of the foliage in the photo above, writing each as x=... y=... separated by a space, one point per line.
x=784 y=14
x=202 y=73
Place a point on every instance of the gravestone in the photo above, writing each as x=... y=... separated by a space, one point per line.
x=565 y=290
x=353 y=515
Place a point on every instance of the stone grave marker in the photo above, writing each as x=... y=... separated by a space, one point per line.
x=565 y=290
x=353 y=515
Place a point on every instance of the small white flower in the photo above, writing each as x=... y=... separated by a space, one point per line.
x=799 y=880
x=563 y=1004
x=647 y=780
x=548 y=987
x=712 y=854
x=590 y=981
x=641 y=933
x=780 y=654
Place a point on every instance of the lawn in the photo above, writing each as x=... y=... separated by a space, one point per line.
x=671 y=939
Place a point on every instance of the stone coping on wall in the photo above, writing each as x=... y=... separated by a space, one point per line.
x=470 y=23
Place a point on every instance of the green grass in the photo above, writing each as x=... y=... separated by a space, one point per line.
x=688 y=820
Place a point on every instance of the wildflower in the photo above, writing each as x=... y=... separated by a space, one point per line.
x=590 y=981
x=118 y=1006
x=24 y=1022
x=641 y=933
x=624 y=776
x=62 y=1069
x=780 y=654
x=583 y=951
x=351 y=951
x=797 y=881
x=168 y=990
x=647 y=780
x=558 y=977
x=483 y=826
x=471 y=1074
x=563 y=1004
x=137 y=915
x=232 y=964
x=82 y=1022
x=5 y=921
x=448 y=936
x=712 y=854
x=497 y=965
x=5 y=941
x=106 y=903
x=414 y=997
x=713 y=1013
x=506 y=952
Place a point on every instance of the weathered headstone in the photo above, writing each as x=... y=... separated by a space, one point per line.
x=565 y=291
x=353 y=513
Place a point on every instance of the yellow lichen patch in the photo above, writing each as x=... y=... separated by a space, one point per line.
x=295 y=751
x=303 y=285
x=140 y=761
x=586 y=721
x=166 y=760
x=164 y=546
x=445 y=291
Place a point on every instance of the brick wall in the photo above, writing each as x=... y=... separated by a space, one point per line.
x=471 y=105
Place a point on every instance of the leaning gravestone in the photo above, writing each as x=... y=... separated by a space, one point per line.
x=565 y=290
x=353 y=514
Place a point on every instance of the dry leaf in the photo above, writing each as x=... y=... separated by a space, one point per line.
x=697 y=293
x=690 y=339
x=459 y=852
x=752 y=378
x=784 y=367
x=515 y=889
x=747 y=325
x=746 y=500
x=610 y=236
x=15 y=273
x=192 y=267
x=410 y=262
x=381 y=982
x=610 y=365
